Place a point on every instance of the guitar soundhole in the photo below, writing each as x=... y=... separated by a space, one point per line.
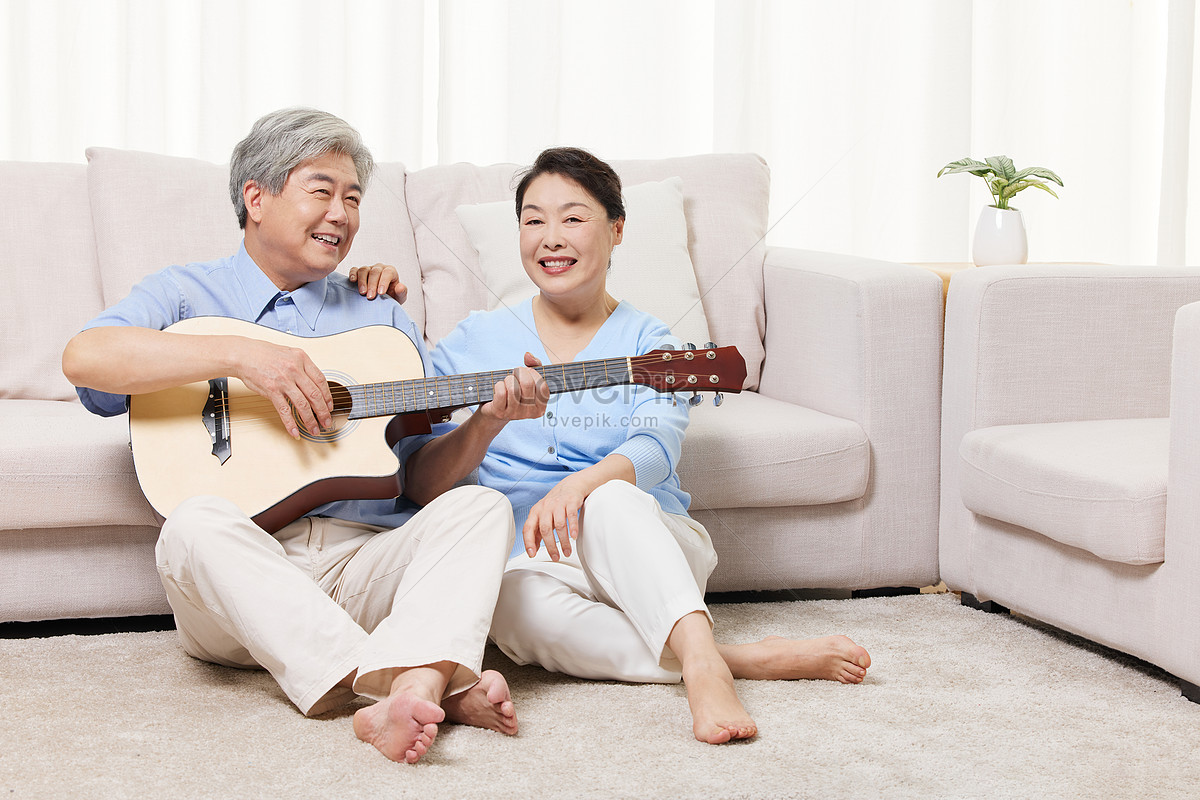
x=343 y=403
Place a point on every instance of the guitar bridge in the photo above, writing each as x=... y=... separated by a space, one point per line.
x=216 y=418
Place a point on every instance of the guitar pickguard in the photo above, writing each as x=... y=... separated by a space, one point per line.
x=216 y=418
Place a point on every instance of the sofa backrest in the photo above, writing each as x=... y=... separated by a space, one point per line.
x=152 y=211
x=725 y=204
x=127 y=214
x=51 y=277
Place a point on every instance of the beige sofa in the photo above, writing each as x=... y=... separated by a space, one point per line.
x=1071 y=453
x=823 y=475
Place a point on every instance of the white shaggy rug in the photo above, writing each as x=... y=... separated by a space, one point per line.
x=957 y=704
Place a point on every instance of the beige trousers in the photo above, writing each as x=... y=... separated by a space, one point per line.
x=605 y=612
x=323 y=598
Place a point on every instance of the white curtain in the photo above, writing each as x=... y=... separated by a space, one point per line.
x=855 y=104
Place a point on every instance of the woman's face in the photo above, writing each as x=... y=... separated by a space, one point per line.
x=566 y=239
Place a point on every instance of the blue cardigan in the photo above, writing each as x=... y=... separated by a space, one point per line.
x=529 y=457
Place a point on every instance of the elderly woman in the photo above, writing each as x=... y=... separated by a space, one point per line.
x=608 y=580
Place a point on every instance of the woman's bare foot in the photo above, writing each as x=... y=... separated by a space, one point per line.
x=487 y=704
x=830 y=658
x=717 y=713
x=401 y=726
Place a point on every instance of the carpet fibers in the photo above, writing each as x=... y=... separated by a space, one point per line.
x=957 y=704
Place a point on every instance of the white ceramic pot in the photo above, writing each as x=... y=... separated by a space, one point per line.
x=1000 y=237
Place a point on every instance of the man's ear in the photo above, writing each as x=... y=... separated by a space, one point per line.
x=252 y=195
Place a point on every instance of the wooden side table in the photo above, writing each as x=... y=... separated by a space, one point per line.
x=945 y=270
x=948 y=269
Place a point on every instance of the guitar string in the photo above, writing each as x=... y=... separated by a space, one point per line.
x=253 y=407
x=267 y=416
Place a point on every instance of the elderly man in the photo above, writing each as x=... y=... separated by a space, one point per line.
x=384 y=599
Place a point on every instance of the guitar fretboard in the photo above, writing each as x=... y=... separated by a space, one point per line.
x=456 y=391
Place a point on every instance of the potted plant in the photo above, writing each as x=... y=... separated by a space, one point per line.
x=1000 y=233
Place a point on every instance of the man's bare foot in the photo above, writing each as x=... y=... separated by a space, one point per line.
x=830 y=658
x=401 y=726
x=717 y=713
x=487 y=704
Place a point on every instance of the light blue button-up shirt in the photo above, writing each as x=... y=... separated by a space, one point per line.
x=236 y=287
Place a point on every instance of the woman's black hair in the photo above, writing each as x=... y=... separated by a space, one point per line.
x=596 y=177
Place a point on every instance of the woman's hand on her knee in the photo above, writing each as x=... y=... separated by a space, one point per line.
x=554 y=520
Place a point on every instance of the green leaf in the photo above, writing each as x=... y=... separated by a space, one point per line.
x=1039 y=172
x=1018 y=186
x=1042 y=186
x=965 y=165
x=1002 y=178
x=1003 y=165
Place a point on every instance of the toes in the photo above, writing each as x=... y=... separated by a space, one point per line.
x=716 y=735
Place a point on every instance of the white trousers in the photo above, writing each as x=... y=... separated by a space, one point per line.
x=605 y=612
x=325 y=598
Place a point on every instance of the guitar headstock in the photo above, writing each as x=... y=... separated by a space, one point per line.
x=713 y=369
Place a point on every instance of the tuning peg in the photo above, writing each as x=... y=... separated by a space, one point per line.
x=695 y=400
x=689 y=346
x=667 y=346
x=710 y=346
x=718 y=398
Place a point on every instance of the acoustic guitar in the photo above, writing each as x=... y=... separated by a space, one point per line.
x=217 y=437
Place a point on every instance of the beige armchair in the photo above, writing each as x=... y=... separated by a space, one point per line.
x=1071 y=453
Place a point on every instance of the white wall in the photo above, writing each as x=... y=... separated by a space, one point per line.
x=855 y=105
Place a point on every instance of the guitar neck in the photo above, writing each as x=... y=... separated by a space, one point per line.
x=446 y=393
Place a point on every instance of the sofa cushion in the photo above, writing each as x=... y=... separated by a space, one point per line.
x=153 y=211
x=1098 y=485
x=53 y=281
x=651 y=267
x=725 y=203
x=754 y=451
x=64 y=467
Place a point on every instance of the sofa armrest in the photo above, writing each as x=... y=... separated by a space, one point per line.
x=851 y=337
x=1180 y=570
x=862 y=340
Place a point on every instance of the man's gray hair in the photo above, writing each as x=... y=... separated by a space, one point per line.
x=282 y=140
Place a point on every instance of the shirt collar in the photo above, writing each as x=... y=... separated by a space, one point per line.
x=261 y=293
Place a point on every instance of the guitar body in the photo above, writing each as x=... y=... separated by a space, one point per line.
x=272 y=477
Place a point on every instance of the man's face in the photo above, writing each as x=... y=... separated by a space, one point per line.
x=304 y=232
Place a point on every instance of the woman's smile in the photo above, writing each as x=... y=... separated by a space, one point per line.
x=556 y=266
